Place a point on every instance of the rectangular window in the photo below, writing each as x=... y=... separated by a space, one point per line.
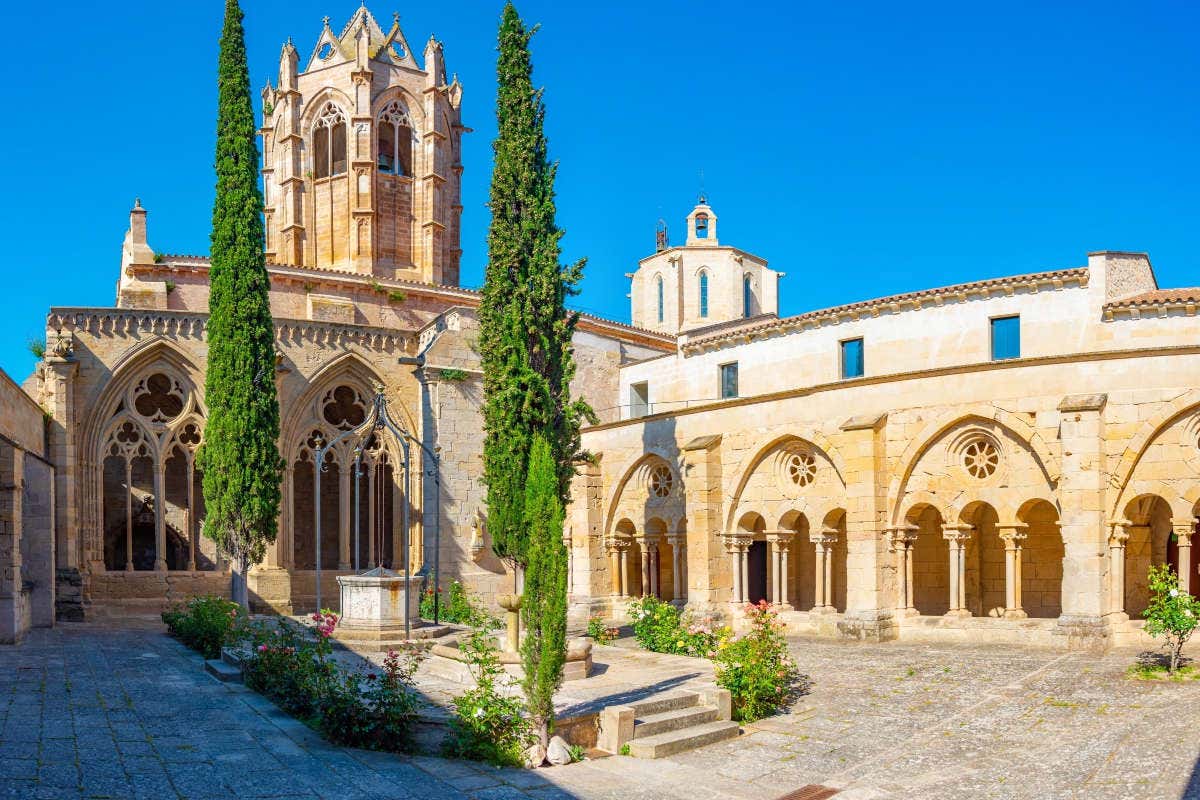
x=729 y=380
x=852 y=358
x=1006 y=338
x=639 y=400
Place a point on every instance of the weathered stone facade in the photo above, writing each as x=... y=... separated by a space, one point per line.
x=940 y=489
x=26 y=516
x=999 y=460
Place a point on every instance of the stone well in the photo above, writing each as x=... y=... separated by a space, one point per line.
x=373 y=606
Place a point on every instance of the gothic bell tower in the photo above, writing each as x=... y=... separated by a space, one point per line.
x=362 y=157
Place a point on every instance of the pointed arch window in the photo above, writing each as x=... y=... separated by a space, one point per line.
x=747 y=296
x=658 y=288
x=703 y=294
x=329 y=142
x=395 y=140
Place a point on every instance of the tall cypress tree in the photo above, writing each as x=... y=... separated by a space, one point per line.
x=240 y=457
x=526 y=330
x=544 y=605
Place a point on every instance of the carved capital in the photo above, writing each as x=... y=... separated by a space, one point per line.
x=957 y=533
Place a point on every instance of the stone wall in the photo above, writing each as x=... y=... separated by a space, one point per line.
x=26 y=516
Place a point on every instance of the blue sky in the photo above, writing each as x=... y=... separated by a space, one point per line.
x=864 y=148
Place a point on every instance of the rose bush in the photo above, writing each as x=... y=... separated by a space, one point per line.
x=757 y=668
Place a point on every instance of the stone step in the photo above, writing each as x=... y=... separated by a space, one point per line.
x=654 y=724
x=225 y=673
x=671 y=742
x=667 y=701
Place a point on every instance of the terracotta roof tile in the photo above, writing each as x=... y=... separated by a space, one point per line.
x=1158 y=297
x=766 y=324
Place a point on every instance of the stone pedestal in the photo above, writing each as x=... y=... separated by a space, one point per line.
x=373 y=607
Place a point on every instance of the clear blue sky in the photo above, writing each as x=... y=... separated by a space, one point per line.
x=864 y=148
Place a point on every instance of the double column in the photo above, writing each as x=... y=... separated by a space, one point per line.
x=900 y=541
x=678 y=542
x=1014 y=537
x=650 y=566
x=824 y=544
x=1183 y=540
x=618 y=554
x=780 y=543
x=738 y=547
x=958 y=536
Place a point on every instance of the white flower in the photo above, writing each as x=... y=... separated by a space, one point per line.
x=478 y=713
x=1174 y=593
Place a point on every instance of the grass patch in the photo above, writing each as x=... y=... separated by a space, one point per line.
x=1153 y=671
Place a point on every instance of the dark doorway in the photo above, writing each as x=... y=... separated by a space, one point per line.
x=756 y=589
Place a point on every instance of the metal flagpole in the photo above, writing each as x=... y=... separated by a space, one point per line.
x=357 y=501
x=318 y=466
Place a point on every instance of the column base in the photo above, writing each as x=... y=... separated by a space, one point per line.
x=908 y=612
x=1087 y=632
x=876 y=625
x=958 y=613
x=1015 y=613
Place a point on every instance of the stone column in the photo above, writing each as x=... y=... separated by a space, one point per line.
x=900 y=542
x=160 y=521
x=1183 y=542
x=569 y=545
x=829 y=540
x=623 y=572
x=1083 y=495
x=677 y=583
x=1013 y=536
x=773 y=544
x=819 y=566
x=61 y=370
x=781 y=543
x=734 y=547
x=1118 y=536
x=744 y=557
x=645 y=568
x=869 y=616
x=957 y=536
x=614 y=568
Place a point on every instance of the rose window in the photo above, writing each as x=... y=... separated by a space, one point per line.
x=343 y=408
x=661 y=481
x=981 y=458
x=158 y=398
x=801 y=468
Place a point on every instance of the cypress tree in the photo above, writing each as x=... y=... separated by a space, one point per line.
x=525 y=328
x=240 y=457
x=544 y=604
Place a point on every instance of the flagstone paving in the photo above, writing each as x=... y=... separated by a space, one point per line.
x=87 y=711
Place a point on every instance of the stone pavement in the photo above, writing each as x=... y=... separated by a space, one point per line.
x=87 y=711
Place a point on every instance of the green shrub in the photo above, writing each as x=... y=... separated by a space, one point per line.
x=205 y=624
x=1172 y=615
x=458 y=607
x=757 y=668
x=487 y=725
x=599 y=632
x=662 y=628
x=291 y=669
x=373 y=711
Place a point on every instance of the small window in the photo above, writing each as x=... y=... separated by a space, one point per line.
x=852 y=358
x=747 y=296
x=639 y=400
x=1006 y=338
x=658 y=287
x=703 y=294
x=702 y=226
x=729 y=380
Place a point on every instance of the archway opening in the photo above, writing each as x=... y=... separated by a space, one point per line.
x=802 y=562
x=1147 y=546
x=930 y=562
x=757 y=586
x=985 y=568
x=1042 y=555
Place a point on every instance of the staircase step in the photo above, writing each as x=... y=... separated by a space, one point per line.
x=225 y=673
x=666 y=744
x=654 y=724
x=667 y=701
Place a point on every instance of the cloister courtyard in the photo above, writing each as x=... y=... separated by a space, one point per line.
x=89 y=711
